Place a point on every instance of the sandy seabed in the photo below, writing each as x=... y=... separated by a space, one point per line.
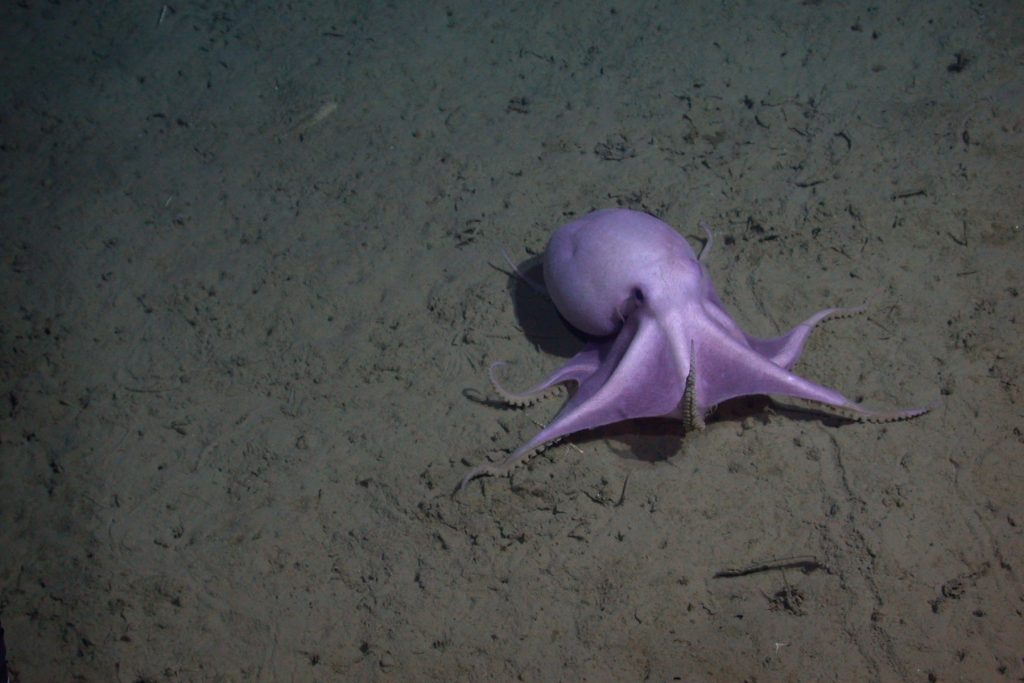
x=252 y=281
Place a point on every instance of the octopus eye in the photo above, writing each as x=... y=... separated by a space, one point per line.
x=638 y=295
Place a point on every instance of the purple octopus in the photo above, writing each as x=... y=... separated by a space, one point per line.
x=660 y=342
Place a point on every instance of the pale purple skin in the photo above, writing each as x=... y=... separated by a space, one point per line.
x=657 y=331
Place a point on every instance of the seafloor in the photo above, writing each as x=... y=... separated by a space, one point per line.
x=252 y=281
